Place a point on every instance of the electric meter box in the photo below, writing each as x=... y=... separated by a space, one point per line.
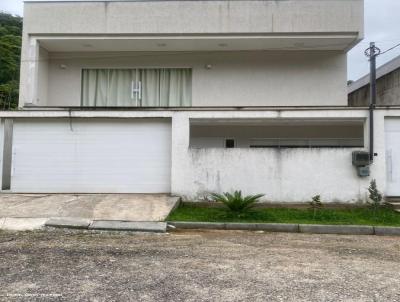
x=363 y=171
x=360 y=158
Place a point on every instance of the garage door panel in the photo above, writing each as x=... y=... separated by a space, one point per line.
x=392 y=138
x=97 y=156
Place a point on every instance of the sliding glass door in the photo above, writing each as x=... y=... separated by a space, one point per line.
x=161 y=87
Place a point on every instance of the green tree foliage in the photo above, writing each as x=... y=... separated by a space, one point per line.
x=375 y=196
x=316 y=204
x=10 y=52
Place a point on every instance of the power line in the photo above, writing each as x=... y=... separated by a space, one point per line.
x=390 y=49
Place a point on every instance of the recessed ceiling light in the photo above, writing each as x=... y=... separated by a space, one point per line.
x=299 y=44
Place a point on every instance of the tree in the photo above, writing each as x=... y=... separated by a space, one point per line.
x=375 y=196
x=10 y=54
x=316 y=205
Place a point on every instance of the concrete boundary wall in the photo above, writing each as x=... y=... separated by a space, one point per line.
x=282 y=175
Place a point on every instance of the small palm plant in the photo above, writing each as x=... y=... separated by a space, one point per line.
x=235 y=202
x=315 y=204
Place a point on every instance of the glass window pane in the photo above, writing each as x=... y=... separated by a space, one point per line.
x=148 y=87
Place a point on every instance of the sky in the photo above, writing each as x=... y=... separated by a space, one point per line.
x=382 y=25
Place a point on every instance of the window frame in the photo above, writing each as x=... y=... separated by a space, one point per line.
x=138 y=68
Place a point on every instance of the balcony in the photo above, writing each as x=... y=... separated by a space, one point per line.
x=232 y=47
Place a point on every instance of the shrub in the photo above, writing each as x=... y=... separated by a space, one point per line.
x=315 y=204
x=375 y=196
x=236 y=202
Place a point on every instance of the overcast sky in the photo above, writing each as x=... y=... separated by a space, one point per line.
x=382 y=25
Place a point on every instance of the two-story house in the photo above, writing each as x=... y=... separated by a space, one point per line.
x=189 y=97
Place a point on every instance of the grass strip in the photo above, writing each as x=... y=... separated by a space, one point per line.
x=353 y=216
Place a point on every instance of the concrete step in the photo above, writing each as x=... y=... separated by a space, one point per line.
x=392 y=199
x=395 y=205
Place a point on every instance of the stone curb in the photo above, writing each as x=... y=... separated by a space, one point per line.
x=387 y=231
x=71 y=223
x=137 y=226
x=197 y=225
x=336 y=229
x=29 y=224
x=271 y=227
x=279 y=227
x=291 y=228
x=22 y=224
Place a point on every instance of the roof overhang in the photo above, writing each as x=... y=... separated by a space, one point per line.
x=278 y=121
x=101 y=43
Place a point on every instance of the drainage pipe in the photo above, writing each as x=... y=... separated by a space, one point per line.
x=373 y=53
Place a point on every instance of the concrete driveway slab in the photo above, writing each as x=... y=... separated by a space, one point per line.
x=21 y=205
x=134 y=207
x=23 y=224
x=82 y=206
x=127 y=207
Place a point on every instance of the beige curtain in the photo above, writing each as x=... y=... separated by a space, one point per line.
x=120 y=87
x=94 y=87
x=165 y=87
x=150 y=79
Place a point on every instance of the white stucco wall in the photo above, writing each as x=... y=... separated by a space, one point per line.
x=290 y=175
x=182 y=17
x=319 y=21
x=286 y=175
x=236 y=78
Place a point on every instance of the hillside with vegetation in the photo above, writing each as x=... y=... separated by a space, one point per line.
x=10 y=50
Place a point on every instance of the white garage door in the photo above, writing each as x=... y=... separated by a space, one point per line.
x=392 y=130
x=91 y=156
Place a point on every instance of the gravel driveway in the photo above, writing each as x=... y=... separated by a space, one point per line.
x=197 y=266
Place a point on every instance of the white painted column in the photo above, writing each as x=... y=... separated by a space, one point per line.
x=179 y=152
x=29 y=71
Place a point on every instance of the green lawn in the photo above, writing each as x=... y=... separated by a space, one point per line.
x=360 y=216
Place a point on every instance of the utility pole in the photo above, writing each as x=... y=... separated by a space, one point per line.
x=372 y=52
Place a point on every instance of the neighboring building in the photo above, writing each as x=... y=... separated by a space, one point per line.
x=387 y=87
x=388 y=108
x=190 y=97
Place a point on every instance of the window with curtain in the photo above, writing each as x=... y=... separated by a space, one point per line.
x=161 y=87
